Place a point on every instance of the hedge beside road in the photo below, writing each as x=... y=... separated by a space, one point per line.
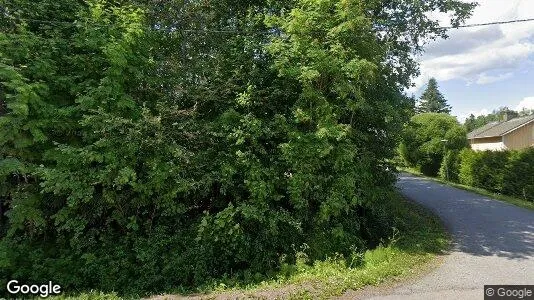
x=506 y=172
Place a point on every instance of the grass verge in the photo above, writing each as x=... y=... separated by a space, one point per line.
x=417 y=240
x=504 y=198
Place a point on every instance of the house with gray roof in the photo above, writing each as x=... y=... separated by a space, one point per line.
x=511 y=134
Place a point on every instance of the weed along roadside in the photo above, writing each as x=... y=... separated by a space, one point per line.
x=416 y=241
x=412 y=248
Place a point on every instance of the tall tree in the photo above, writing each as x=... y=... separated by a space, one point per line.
x=470 y=123
x=153 y=144
x=432 y=101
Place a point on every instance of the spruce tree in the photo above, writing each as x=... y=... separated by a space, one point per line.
x=432 y=100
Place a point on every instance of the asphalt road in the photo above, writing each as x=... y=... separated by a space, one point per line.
x=493 y=243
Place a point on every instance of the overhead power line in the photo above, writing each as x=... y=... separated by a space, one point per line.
x=249 y=32
x=490 y=23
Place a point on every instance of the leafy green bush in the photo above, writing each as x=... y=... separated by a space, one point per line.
x=141 y=151
x=426 y=138
x=518 y=177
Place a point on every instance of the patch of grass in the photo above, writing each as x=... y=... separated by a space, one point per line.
x=419 y=237
x=504 y=198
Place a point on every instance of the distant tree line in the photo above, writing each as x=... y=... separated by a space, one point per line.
x=496 y=115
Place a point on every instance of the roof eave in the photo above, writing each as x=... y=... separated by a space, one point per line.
x=502 y=134
x=515 y=128
x=485 y=137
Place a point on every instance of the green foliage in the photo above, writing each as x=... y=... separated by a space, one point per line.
x=507 y=172
x=518 y=178
x=415 y=240
x=141 y=151
x=426 y=138
x=432 y=101
x=450 y=166
x=469 y=162
x=483 y=169
x=492 y=179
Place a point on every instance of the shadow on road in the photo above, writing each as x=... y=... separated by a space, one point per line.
x=480 y=226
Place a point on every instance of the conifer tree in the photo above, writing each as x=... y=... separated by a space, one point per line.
x=432 y=100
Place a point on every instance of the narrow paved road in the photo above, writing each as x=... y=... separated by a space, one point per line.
x=493 y=243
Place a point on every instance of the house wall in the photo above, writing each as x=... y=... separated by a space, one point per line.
x=490 y=143
x=520 y=138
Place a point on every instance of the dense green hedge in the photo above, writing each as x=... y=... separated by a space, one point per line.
x=450 y=166
x=518 y=180
x=507 y=172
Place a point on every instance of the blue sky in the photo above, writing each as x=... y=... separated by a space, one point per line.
x=483 y=68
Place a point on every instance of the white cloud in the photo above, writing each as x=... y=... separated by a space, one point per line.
x=526 y=103
x=483 y=55
x=486 y=79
